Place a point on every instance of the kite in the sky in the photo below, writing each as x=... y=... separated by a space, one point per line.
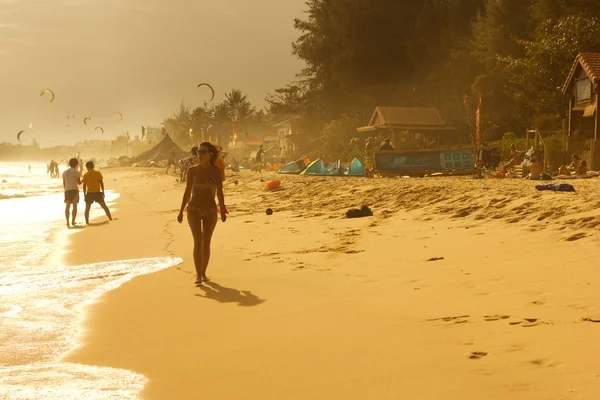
x=119 y=114
x=211 y=89
x=99 y=127
x=50 y=92
x=86 y=119
x=19 y=135
x=31 y=125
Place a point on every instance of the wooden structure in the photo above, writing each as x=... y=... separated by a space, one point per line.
x=583 y=88
x=411 y=128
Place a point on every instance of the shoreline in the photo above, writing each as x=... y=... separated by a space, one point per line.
x=305 y=303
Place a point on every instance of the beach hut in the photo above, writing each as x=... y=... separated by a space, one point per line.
x=357 y=168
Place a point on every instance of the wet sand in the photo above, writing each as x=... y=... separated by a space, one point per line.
x=307 y=304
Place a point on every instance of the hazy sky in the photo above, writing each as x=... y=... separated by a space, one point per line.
x=139 y=57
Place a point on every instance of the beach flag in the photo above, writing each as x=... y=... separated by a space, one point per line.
x=478 y=132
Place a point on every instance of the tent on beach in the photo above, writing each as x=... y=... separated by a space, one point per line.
x=161 y=152
x=317 y=168
x=295 y=167
x=357 y=168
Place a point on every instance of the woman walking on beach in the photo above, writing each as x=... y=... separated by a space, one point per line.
x=204 y=181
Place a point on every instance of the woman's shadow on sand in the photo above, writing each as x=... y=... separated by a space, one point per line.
x=222 y=294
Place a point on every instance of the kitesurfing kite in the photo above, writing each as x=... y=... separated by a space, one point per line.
x=31 y=125
x=68 y=126
x=48 y=91
x=99 y=127
x=86 y=119
x=19 y=135
x=211 y=89
x=119 y=114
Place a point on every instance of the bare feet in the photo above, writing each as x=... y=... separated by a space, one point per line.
x=198 y=281
x=205 y=279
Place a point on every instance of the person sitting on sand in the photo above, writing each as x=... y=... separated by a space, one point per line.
x=71 y=182
x=515 y=158
x=386 y=146
x=582 y=169
x=93 y=191
x=575 y=163
x=204 y=181
x=535 y=169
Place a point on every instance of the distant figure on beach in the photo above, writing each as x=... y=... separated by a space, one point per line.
x=93 y=191
x=171 y=161
x=71 y=182
x=259 y=159
x=29 y=168
x=386 y=146
x=220 y=163
x=369 y=151
x=204 y=181
x=186 y=163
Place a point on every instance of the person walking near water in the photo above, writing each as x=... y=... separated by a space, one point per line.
x=93 y=191
x=71 y=182
x=204 y=181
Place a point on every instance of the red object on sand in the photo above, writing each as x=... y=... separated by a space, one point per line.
x=273 y=185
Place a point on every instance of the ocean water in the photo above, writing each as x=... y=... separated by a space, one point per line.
x=41 y=304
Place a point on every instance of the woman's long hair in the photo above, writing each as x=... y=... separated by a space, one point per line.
x=212 y=150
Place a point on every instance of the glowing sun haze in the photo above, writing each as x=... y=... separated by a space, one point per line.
x=139 y=57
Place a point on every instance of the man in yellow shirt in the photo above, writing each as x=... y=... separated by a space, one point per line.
x=93 y=191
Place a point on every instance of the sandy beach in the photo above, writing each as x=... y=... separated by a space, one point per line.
x=308 y=304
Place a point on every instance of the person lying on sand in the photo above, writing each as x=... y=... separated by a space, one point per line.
x=204 y=181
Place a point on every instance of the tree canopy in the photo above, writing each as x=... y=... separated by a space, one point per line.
x=363 y=53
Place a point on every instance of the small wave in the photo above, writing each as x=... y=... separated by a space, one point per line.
x=40 y=315
x=12 y=196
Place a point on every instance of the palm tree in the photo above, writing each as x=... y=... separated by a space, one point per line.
x=238 y=105
x=179 y=124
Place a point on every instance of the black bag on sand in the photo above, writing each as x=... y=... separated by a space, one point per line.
x=364 y=211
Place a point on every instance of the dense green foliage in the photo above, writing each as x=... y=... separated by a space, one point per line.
x=363 y=53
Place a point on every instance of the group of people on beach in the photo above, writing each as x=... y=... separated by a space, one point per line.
x=53 y=169
x=93 y=190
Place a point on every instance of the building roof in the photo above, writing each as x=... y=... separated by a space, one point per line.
x=590 y=62
x=425 y=118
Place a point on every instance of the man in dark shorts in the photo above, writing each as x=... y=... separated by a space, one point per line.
x=93 y=190
x=71 y=182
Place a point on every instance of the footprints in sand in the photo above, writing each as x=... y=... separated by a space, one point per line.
x=477 y=355
x=463 y=319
